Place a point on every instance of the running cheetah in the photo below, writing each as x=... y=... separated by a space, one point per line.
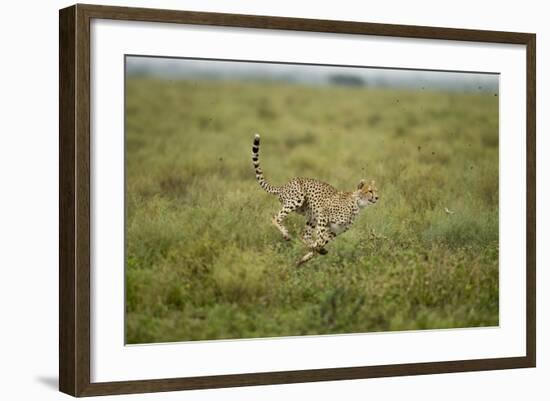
x=328 y=212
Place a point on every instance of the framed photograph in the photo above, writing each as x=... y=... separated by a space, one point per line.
x=250 y=200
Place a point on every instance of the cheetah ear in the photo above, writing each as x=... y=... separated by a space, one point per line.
x=361 y=184
x=372 y=183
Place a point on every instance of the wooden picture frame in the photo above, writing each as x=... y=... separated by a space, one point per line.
x=74 y=200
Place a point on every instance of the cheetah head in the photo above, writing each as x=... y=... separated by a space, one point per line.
x=366 y=194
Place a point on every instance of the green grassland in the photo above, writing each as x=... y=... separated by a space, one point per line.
x=203 y=260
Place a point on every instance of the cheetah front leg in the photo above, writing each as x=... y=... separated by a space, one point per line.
x=323 y=236
x=306 y=257
x=307 y=237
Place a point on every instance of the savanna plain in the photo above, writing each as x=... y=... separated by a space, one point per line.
x=203 y=260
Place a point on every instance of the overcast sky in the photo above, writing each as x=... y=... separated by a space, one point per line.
x=175 y=68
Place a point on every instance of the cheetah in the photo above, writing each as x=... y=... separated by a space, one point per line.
x=328 y=211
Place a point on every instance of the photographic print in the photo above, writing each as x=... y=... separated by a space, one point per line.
x=267 y=199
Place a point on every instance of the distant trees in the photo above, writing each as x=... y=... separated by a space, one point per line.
x=346 y=80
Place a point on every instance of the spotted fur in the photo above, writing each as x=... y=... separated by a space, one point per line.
x=328 y=212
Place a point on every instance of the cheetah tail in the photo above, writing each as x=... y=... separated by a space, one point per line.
x=256 y=163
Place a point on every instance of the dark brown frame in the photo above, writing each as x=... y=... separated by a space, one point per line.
x=74 y=199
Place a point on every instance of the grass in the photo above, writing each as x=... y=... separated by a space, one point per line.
x=204 y=261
